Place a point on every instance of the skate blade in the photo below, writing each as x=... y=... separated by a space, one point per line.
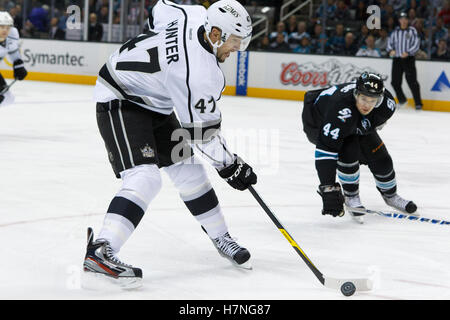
x=357 y=219
x=98 y=281
x=356 y=216
x=246 y=265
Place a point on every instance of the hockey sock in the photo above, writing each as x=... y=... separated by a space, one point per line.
x=207 y=211
x=384 y=174
x=199 y=196
x=348 y=175
x=140 y=186
x=386 y=184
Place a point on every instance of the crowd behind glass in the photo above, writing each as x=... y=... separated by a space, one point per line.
x=338 y=28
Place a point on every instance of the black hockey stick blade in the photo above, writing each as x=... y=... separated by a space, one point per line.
x=5 y=89
x=361 y=284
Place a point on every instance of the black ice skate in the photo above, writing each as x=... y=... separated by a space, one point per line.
x=231 y=250
x=100 y=262
x=355 y=203
x=397 y=202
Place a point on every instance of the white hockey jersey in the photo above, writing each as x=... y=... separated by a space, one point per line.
x=171 y=68
x=11 y=46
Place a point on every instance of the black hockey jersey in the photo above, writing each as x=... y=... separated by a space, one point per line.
x=330 y=116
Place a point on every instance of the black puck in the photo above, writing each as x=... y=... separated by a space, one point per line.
x=348 y=289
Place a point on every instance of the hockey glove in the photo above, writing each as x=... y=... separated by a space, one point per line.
x=333 y=200
x=19 y=70
x=239 y=175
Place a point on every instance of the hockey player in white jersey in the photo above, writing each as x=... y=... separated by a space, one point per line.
x=9 y=45
x=174 y=67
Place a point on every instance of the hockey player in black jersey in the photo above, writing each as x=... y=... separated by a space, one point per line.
x=342 y=121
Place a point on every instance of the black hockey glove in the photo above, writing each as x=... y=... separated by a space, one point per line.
x=19 y=70
x=333 y=200
x=239 y=175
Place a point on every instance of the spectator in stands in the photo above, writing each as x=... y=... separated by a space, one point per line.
x=99 y=5
x=296 y=37
x=56 y=32
x=28 y=30
x=350 y=46
x=291 y=25
x=15 y=14
x=445 y=12
x=369 y=50
x=441 y=52
x=342 y=13
x=280 y=43
x=9 y=5
x=424 y=9
x=440 y=32
x=389 y=12
x=420 y=27
x=322 y=45
x=399 y=5
x=412 y=17
x=305 y=46
x=103 y=15
x=361 y=11
x=95 y=28
x=381 y=42
x=264 y=43
x=411 y=4
x=363 y=33
x=331 y=8
x=39 y=17
x=92 y=6
x=318 y=30
x=337 y=41
x=390 y=24
x=281 y=28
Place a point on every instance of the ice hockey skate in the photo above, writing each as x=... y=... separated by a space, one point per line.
x=397 y=202
x=102 y=268
x=353 y=203
x=231 y=250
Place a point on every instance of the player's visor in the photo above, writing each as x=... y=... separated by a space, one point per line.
x=238 y=43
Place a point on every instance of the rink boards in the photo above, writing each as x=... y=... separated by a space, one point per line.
x=254 y=74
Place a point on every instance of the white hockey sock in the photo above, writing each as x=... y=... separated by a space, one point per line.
x=199 y=196
x=140 y=186
x=116 y=230
x=214 y=222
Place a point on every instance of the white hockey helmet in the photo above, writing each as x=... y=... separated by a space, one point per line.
x=6 y=19
x=233 y=20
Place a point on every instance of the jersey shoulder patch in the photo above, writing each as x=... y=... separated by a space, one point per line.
x=344 y=114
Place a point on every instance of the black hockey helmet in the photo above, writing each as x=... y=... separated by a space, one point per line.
x=370 y=84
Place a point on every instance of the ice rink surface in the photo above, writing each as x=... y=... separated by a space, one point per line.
x=56 y=181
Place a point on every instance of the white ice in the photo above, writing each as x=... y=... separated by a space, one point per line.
x=56 y=181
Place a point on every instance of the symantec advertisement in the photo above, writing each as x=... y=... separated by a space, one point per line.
x=63 y=57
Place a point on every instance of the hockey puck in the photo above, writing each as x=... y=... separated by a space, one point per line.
x=348 y=289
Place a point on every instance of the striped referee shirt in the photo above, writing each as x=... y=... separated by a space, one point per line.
x=404 y=40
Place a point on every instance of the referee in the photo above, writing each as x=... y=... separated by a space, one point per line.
x=402 y=46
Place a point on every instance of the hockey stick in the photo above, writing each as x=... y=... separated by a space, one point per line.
x=332 y=283
x=396 y=215
x=5 y=89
